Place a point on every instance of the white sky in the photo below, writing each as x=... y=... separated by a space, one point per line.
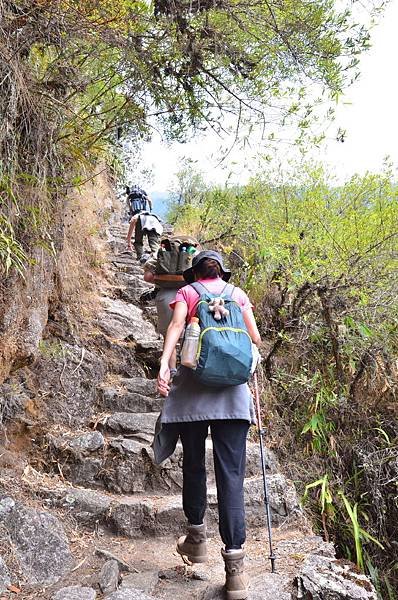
x=368 y=113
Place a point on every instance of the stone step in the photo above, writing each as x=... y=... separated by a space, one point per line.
x=123 y=321
x=118 y=236
x=131 y=281
x=117 y=245
x=132 y=295
x=125 y=465
x=267 y=586
x=140 y=385
x=128 y=266
x=146 y=515
x=132 y=423
x=123 y=257
x=129 y=402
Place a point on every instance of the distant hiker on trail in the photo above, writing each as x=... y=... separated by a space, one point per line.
x=213 y=393
x=137 y=200
x=165 y=271
x=144 y=224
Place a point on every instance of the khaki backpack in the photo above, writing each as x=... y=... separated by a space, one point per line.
x=173 y=258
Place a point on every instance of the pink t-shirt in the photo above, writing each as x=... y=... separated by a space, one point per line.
x=215 y=286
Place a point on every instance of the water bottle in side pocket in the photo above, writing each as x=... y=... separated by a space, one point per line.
x=191 y=344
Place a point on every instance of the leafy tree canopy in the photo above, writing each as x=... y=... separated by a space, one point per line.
x=77 y=76
x=88 y=69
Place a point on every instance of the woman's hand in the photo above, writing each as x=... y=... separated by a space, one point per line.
x=164 y=379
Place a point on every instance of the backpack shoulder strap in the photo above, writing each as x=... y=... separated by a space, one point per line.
x=199 y=288
x=228 y=290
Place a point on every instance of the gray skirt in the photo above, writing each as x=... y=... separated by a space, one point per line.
x=190 y=400
x=165 y=314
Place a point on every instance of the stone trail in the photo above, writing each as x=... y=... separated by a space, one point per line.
x=106 y=483
x=143 y=498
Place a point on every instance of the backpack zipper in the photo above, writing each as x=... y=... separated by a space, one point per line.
x=234 y=329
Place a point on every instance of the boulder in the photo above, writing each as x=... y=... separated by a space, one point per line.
x=75 y=592
x=39 y=542
x=79 y=444
x=322 y=577
x=123 y=566
x=109 y=577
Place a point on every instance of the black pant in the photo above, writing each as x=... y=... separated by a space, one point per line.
x=229 y=452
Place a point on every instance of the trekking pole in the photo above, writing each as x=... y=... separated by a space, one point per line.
x=266 y=498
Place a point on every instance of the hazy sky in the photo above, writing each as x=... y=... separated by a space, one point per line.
x=368 y=113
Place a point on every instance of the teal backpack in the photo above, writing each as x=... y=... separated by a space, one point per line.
x=225 y=347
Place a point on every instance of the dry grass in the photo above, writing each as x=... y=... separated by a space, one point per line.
x=81 y=276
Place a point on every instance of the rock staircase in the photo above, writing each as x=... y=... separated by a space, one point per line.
x=124 y=512
x=119 y=486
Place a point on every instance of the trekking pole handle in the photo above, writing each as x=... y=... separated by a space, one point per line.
x=257 y=397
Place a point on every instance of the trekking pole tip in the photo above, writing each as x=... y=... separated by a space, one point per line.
x=273 y=560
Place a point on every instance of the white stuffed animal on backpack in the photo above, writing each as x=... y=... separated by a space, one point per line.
x=217 y=307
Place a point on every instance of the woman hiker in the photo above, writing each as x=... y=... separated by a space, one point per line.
x=189 y=410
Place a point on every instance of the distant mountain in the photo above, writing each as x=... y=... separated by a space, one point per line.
x=160 y=200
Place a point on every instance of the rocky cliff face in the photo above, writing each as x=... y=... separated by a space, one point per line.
x=84 y=511
x=53 y=273
x=24 y=313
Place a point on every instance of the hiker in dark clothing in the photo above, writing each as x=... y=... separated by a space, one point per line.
x=144 y=224
x=189 y=410
x=137 y=200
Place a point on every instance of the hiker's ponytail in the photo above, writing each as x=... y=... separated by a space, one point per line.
x=208 y=269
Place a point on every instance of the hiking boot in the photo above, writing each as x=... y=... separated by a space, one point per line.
x=236 y=583
x=194 y=545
